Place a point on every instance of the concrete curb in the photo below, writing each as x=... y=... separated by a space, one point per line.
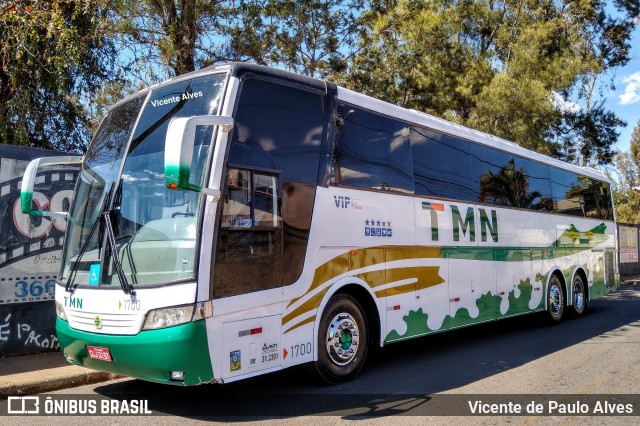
x=56 y=383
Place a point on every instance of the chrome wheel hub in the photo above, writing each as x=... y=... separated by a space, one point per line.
x=342 y=339
x=555 y=300
x=578 y=296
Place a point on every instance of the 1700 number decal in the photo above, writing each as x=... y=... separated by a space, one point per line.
x=301 y=349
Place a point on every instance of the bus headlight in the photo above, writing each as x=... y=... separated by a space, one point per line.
x=60 y=311
x=176 y=315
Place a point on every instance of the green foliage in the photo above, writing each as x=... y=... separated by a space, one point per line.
x=158 y=39
x=314 y=38
x=505 y=67
x=586 y=137
x=163 y=38
x=53 y=56
x=625 y=177
x=635 y=144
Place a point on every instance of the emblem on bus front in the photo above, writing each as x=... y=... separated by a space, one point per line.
x=97 y=321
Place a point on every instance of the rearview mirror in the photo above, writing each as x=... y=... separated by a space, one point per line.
x=179 y=145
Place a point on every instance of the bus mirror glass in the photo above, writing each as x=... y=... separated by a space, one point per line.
x=179 y=151
x=29 y=181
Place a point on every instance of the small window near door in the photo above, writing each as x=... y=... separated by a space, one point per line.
x=249 y=254
x=252 y=201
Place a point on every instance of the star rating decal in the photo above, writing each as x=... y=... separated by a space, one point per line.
x=377 y=228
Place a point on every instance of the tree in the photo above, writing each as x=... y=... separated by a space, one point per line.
x=159 y=39
x=314 y=38
x=163 y=38
x=587 y=136
x=53 y=56
x=626 y=176
x=506 y=67
x=634 y=144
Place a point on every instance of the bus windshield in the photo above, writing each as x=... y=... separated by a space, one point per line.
x=122 y=182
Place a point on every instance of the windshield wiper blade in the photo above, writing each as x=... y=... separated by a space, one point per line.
x=70 y=286
x=124 y=283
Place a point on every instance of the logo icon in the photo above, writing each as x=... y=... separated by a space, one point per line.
x=97 y=322
x=23 y=405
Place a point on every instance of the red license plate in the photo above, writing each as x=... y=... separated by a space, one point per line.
x=101 y=354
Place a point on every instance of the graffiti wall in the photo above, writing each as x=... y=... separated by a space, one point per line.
x=30 y=251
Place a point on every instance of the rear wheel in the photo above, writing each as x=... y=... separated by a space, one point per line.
x=342 y=340
x=555 y=300
x=578 y=297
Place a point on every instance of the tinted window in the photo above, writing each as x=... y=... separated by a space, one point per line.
x=372 y=151
x=441 y=165
x=597 y=199
x=567 y=192
x=493 y=173
x=284 y=122
x=537 y=185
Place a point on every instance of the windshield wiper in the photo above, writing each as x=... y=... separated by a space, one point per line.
x=104 y=220
x=126 y=287
x=69 y=287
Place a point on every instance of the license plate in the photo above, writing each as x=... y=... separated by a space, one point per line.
x=101 y=354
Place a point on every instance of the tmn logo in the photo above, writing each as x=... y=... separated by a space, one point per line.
x=464 y=225
x=73 y=302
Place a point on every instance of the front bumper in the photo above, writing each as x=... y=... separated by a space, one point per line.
x=150 y=355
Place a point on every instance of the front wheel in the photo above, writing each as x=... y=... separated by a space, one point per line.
x=342 y=340
x=578 y=297
x=555 y=300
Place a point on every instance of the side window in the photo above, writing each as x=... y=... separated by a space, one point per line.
x=286 y=122
x=495 y=180
x=537 y=185
x=597 y=199
x=580 y=195
x=250 y=245
x=441 y=165
x=252 y=200
x=567 y=193
x=372 y=151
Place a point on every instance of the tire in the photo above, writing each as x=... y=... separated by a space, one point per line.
x=343 y=340
x=578 y=297
x=555 y=300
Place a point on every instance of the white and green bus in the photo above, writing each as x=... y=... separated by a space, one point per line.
x=240 y=220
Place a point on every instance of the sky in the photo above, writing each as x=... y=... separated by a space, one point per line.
x=624 y=101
